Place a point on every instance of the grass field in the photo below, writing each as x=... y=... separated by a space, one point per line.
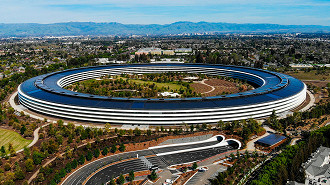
x=8 y=136
x=311 y=75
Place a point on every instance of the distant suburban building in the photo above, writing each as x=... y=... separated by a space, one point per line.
x=317 y=167
x=301 y=65
x=159 y=51
x=167 y=60
x=168 y=52
x=104 y=61
x=146 y=51
x=183 y=50
x=308 y=65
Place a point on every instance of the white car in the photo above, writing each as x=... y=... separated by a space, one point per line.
x=203 y=169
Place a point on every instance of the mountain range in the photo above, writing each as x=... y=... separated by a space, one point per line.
x=114 y=28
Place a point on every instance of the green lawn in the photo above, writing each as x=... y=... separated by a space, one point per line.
x=8 y=136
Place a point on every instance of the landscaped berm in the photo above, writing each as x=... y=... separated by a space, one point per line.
x=8 y=136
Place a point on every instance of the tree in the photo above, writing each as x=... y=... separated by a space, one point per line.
x=112 y=181
x=149 y=132
x=19 y=174
x=23 y=129
x=273 y=121
x=105 y=151
x=3 y=151
x=157 y=129
x=191 y=128
x=68 y=167
x=81 y=159
x=122 y=147
x=11 y=149
x=89 y=156
x=27 y=152
x=194 y=166
x=7 y=166
x=153 y=175
x=137 y=131
x=131 y=176
x=37 y=157
x=197 y=127
x=74 y=163
x=29 y=165
x=121 y=179
x=96 y=153
x=113 y=148
x=204 y=126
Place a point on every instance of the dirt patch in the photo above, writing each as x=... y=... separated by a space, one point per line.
x=222 y=87
x=219 y=82
x=200 y=88
x=319 y=84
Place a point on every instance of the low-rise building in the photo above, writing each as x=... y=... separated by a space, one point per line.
x=146 y=51
x=170 y=94
x=167 y=60
x=183 y=50
x=104 y=61
x=317 y=168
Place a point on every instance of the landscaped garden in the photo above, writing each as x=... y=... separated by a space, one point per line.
x=154 y=85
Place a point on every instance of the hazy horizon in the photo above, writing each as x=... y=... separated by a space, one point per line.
x=161 y=24
x=302 y=12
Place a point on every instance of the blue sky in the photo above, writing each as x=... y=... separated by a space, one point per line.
x=305 y=12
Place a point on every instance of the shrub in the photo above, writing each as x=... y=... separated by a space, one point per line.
x=96 y=153
x=74 y=164
x=7 y=166
x=105 y=151
x=81 y=159
x=113 y=148
x=29 y=165
x=122 y=147
x=89 y=156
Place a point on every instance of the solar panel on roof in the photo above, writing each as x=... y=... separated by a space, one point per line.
x=138 y=105
x=271 y=139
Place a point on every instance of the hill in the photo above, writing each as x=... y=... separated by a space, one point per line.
x=113 y=28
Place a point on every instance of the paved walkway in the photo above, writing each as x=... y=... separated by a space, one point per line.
x=20 y=108
x=294 y=141
x=311 y=102
x=35 y=138
x=203 y=82
x=166 y=174
x=201 y=178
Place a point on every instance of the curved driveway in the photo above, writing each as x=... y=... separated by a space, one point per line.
x=104 y=175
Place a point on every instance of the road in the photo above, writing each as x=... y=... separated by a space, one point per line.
x=182 y=147
x=115 y=170
x=79 y=176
